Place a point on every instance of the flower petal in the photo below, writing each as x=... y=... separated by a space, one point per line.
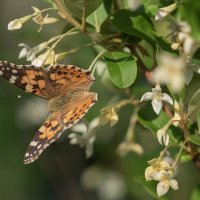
x=80 y=128
x=147 y=96
x=89 y=147
x=166 y=139
x=74 y=138
x=162 y=188
x=23 y=53
x=148 y=172
x=174 y=184
x=160 y=14
x=157 y=105
x=14 y=25
x=160 y=134
x=167 y=98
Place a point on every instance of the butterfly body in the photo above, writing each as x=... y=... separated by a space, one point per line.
x=66 y=87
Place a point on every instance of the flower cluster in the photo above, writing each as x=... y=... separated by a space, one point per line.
x=161 y=171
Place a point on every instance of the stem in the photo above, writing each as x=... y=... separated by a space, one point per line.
x=83 y=18
x=41 y=11
x=93 y=66
x=130 y=133
x=179 y=153
x=59 y=38
x=65 y=14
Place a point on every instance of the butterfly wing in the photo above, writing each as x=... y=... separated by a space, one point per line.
x=56 y=124
x=69 y=77
x=73 y=112
x=29 y=78
x=48 y=133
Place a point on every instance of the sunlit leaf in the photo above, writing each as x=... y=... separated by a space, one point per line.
x=97 y=17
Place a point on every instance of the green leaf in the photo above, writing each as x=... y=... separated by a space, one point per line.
x=195 y=139
x=135 y=23
x=97 y=17
x=107 y=5
x=122 y=68
x=77 y=7
x=151 y=6
x=150 y=120
x=194 y=103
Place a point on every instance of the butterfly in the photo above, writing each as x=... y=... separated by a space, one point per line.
x=66 y=87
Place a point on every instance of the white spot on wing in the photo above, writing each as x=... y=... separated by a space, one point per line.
x=14 y=71
x=27 y=154
x=13 y=78
x=33 y=143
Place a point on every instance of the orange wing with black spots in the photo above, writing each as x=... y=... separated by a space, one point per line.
x=72 y=113
x=29 y=78
x=48 y=133
x=69 y=77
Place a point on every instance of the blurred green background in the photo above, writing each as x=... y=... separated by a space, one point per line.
x=62 y=172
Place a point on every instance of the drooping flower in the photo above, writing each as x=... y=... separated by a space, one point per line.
x=157 y=97
x=109 y=115
x=30 y=53
x=17 y=23
x=129 y=146
x=84 y=136
x=162 y=135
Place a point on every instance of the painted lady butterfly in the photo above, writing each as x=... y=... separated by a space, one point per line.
x=66 y=87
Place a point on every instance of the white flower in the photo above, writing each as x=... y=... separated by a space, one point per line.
x=14 y=25
x=129 y=146
x=162 y=134
x=86 y=138
x=39 y=19
x=30 y=53
x=47 y=58
x=163 y=186
x=171 y=71
x=17 y=23
x=163 y=137
x=157 y=97
x=184 y=38
x=165 y=11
